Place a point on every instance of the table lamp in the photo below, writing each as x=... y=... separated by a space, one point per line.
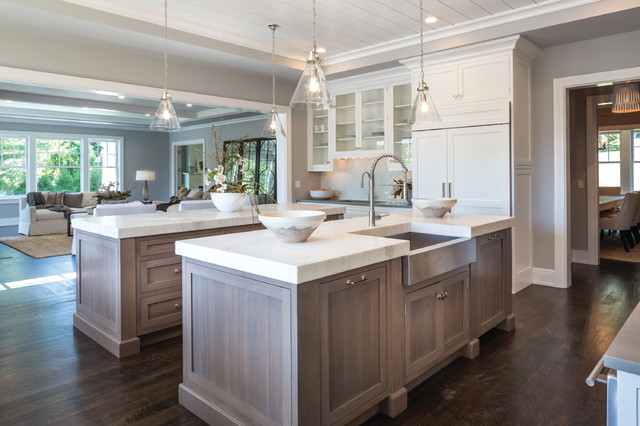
x=145 y=175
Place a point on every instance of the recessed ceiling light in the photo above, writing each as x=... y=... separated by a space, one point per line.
x=85 y=108
x=321 y=50
x=148 y=115
x=189 y=105
x=120 y=97
x=103 y=92
x=605 y=103
x=431 y=19
x=604 y=84
x=8 y=100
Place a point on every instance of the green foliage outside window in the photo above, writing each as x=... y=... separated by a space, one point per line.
x=13 y=172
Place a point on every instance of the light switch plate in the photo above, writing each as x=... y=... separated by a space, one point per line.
x=298 y=184
x=580 y=184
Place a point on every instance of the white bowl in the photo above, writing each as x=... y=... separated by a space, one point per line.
x=434 y=207
x=292 y=226
x=320 y=195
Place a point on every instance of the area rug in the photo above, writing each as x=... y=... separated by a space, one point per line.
x=40 y=246
x=611 y=248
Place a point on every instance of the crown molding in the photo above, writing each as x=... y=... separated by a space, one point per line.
x=504 y=18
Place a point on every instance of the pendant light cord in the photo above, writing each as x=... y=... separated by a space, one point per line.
x=166 y=66
x=421 y=46
x=314 y=26
x=273 y=64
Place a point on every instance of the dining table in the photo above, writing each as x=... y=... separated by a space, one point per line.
x=608 y=202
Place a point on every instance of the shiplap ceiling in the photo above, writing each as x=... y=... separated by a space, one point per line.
x=343 y=26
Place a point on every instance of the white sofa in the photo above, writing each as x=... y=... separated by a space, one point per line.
x=34 y=221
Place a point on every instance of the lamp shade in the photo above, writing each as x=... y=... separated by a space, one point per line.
x=312 y=90
x=145 y=175
x=626 y=98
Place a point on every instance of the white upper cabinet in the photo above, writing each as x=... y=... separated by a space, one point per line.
x=476 y=80
x=319 y=150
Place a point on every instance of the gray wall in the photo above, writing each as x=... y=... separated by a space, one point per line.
x=601 y=54
x=142 y=150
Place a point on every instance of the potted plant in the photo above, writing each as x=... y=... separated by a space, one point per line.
x=226 y=181
x=108 y=194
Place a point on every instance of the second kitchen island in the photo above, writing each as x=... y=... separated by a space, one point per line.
x=340 y=327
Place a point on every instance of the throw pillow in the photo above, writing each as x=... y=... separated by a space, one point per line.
x=195 y=195
x=36 y=199
x=183 y=192
x=89 y=199
x=56 y=198
x=73 y=200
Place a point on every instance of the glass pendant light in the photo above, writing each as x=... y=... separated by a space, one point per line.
x=312 y=90
x=423 y=107
x=626 y=98
x=273 y=122
x=165 y=119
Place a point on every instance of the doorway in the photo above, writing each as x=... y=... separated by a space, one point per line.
x=187 y=165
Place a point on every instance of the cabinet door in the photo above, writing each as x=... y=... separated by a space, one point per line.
x=421 y=335
x=401 y=103
x=319 y=150
x=478 y=169
x=484 y=79
x=455 y=312
x=372 y=120
x=345 y=123
x=491 y=286
x=442 y=83
x=430 y=163
x=353 y=355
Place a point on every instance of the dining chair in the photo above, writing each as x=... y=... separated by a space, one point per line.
x=623 y=221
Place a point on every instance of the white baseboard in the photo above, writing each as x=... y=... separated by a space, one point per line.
x=9 y=221
x=580 y=256
x=523 y=280
x=545 y=277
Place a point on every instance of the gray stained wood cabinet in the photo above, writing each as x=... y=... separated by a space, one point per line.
x=333 y=350
x=436 y=323
x=353 y=328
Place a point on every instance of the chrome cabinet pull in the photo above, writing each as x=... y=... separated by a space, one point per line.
x=449 y=189
x=442 y=295
x=492 y=236
x=176 y=271
x=351 y=282
x=443 y=186
x=177 y=306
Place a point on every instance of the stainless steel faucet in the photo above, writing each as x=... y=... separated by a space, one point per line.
x=372 y=185
x=365 y=173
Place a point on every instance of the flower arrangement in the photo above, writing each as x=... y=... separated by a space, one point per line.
x=398 y=188
x=109 y=192
x=229 y=172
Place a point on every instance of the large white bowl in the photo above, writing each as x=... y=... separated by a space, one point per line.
x=292 y=226
x=320 y=195
x=434 y=207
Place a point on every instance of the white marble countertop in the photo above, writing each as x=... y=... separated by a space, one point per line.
x=624 y=352
x=336 y=246
x=140 y=225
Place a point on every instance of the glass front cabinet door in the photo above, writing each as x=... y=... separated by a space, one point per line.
x=400 y=95
x=320 y=157
x=346 y=132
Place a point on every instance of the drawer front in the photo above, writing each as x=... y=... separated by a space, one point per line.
x=160 y=273
x=150 y=246
x=160 y=311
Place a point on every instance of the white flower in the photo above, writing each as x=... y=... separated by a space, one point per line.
x=207 y=180
x=222 y=188
x=238 y=160
x=219 y=178
x=220 y=169
x=244 y=168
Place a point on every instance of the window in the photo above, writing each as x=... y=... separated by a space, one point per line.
x=103 y=162
x=50 y=162
x=635 y=140
x=13 y=166
x=58 y=165
x=609 y=159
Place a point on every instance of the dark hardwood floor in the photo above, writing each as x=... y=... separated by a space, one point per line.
x=51 y=373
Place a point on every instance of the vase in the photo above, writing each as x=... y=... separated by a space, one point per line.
x=228 y=202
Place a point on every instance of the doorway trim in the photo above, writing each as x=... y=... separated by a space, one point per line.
x=173 y=159
x=561 y=193
x=44 y=79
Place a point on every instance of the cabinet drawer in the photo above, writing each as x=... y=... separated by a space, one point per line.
x=160 y=273
x=160 y=311
x=166 y=245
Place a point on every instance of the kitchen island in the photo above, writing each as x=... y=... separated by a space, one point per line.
x=129 y=279
x=340 y=327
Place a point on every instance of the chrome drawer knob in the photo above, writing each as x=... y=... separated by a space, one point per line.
x=177 y=306
x=177 y=271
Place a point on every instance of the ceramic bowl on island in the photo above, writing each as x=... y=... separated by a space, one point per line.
x=292 y=226
x=321 y=194
x=434 y=207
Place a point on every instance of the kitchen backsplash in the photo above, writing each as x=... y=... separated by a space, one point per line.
x=346 y=176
